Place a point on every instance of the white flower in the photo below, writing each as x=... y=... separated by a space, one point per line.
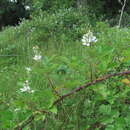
x=86 y=44
x=28 y=69
x=13 y=0
x=27 y=7
x=32 y=91
x=26 y=87
x=37 y=53
x=35 y=49
x=17 y=109
x=37 y=57
x=26 y=82
x=88 y=38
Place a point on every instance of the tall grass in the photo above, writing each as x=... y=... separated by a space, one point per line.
x=65 y=64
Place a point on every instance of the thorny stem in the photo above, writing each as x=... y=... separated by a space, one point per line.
x=29 y=119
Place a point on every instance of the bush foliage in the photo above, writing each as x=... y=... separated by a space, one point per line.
x=44 y=58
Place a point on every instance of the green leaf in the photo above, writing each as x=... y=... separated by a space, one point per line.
x=110 y=127
x=115 y=113
x=40 y=117
x=102 y=90
x=105 y=109
x=107 y=120
x=44 y=98
x=120 y=123
x=6 y=115
x=54 y=110
x=127 y=119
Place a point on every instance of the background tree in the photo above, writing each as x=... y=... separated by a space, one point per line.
x=11 y=12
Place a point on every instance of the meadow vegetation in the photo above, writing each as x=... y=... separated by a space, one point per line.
x=44 y=58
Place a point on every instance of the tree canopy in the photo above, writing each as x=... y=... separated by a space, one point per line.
x=12 y=11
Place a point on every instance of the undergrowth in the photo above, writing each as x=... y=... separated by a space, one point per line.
x=64 y=65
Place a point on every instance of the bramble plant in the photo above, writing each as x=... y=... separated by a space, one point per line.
x=44 y=65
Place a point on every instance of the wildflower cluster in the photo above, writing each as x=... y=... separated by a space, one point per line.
x=37 y=57
x=88 y=38
x=26 y=87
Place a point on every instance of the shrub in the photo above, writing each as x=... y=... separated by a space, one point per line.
x=44 y=59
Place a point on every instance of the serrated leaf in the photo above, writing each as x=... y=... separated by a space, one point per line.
x=54 y=110
x=105 y=109
x=107 y=120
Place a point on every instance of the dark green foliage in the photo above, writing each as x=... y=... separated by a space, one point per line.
x=125 y=20
x=57 y=4
x=11 y=13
